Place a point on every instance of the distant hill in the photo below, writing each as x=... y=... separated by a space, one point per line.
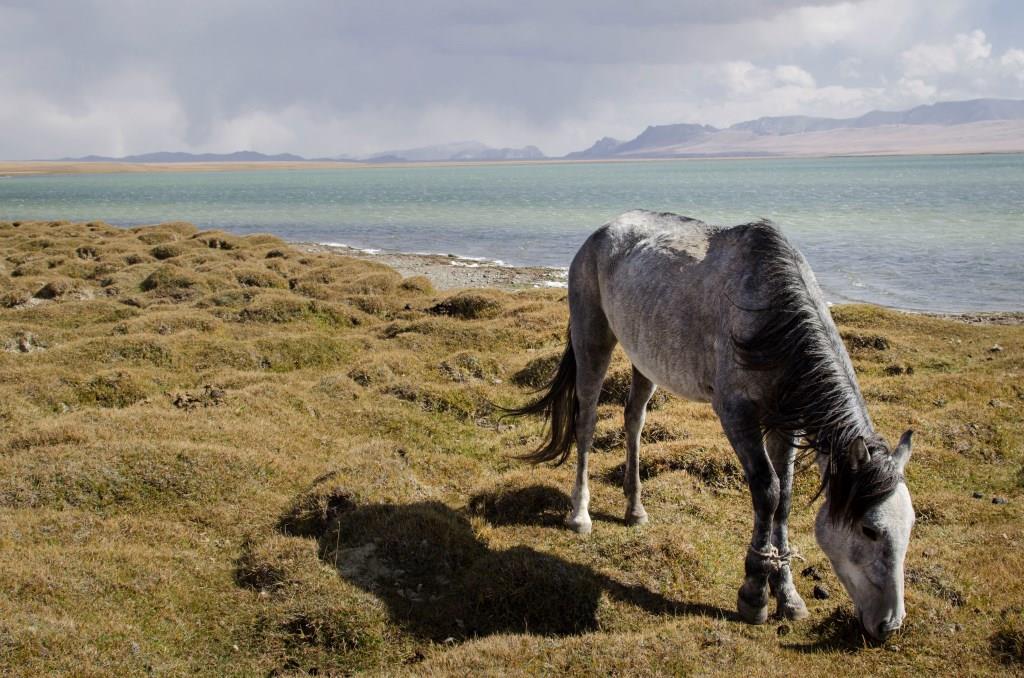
x=983 y=125
x=656 y=136
x=457 y=151
x=602 y=148
x=168 y=156
x=943 y=113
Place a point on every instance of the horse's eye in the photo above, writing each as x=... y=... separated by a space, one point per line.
x=869 y=532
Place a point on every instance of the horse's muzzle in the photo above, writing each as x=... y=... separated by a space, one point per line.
x=887 y=628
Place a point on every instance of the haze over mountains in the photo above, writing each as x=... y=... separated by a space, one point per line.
x=975 y=126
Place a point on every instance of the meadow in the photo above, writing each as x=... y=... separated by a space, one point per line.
x=220 y=455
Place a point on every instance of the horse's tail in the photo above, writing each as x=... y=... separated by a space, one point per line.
x=560 y=407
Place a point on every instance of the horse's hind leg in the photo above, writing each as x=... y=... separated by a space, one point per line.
x=781 y=451
x=640 y=392
x=592 y=342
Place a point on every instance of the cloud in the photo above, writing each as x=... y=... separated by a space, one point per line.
x=850 y=68
x=1012 y=63
x=964 y=66
x=323 y=77
x=967 y=50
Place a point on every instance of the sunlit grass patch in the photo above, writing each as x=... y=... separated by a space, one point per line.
x=268 y=461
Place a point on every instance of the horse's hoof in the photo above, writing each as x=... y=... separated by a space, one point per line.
x=751 y=614
x=579 y=525
x=794 y=610
x=636 y=518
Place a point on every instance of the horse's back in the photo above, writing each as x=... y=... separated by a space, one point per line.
x=650 y=275
x=641 y=233
x=673 y=290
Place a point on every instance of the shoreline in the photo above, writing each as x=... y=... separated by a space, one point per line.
x=451 y=272
x=30 y=168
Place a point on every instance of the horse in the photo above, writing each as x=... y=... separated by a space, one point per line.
x=734 y=317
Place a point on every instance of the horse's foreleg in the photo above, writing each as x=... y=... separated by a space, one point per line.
x=640 y=392
x=790 y=604
x=739 y=419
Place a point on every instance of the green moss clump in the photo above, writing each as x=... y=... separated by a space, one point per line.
x=301 y=352
x=217 y=240
x=470 y=305
x=275 y=309
x=457 y=402
x=171 y=282
x=167 y=251
x=256 y=277
x=419 y=284
x=56 y=289
x=14 y=297
x=286 y=308
x=538 y=372
x=382 y=282
x=112 y=389
x=374 y=304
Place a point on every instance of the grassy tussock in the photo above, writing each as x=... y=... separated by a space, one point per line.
x=219 y=455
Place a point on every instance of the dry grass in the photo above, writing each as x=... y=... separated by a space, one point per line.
x=225 y=457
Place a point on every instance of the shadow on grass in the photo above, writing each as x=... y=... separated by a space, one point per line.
x=440 y=582
x=839 y=632
x=540 y=505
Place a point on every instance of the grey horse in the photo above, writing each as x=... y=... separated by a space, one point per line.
x=734 y=317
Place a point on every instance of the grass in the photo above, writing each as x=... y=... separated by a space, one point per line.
x=223 y=456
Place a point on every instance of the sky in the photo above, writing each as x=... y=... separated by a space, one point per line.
x=351 y=77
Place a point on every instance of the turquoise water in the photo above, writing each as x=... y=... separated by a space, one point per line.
x=930 y=233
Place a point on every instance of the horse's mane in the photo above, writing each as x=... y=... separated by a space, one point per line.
x=814 y=394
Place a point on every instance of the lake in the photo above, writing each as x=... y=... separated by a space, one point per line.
x=936 y=233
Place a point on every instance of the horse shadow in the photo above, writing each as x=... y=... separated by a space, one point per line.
x=537 y=505
x=839 y=632
x=440 y=582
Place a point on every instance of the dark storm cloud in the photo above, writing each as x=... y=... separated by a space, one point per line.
x=325 y=77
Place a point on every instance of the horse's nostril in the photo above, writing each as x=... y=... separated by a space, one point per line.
x=886 y=628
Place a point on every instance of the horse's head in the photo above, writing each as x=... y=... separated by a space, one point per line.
x=867 y=553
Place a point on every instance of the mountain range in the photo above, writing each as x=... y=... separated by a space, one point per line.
x=979 y=125
x=457 y=151
x=975 y=126
x=453 y=152
x=169 y=156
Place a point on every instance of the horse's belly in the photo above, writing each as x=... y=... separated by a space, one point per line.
x=678 y=373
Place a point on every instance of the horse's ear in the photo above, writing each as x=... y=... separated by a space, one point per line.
x=901 y=455
x=859 y=454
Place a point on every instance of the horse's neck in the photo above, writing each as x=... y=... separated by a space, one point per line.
x=851 y=400
x=849 y=417
x=855 y=424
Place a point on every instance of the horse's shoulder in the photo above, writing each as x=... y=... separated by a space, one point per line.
x=763 y=234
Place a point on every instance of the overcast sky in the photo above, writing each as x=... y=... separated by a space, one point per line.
x=319 y=78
